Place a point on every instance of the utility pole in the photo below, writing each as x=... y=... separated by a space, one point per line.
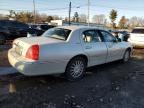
x=88 y=12
x=69 y=13
x=34 y=11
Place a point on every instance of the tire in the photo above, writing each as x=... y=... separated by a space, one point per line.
x=75 y=69
x=126 y=56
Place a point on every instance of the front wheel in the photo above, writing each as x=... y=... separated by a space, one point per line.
x=75 y=69
x=126 y=56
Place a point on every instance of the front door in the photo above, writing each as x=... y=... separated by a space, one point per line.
x=114 y=47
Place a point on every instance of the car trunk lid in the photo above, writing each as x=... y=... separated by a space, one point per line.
x=21 y=45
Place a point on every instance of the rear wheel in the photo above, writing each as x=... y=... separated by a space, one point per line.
x=75 y=68
x=126 y=56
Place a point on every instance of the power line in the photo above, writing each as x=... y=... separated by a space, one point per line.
x=45 y=3
x=123 y=8
x=64 y=8
x=14 y=9
x=52 y=9
x=76 y=7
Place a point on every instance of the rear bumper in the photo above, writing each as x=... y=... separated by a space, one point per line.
x=33 y=68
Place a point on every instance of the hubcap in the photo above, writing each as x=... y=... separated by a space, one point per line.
x=77 y=68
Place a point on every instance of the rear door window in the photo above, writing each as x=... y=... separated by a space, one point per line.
x=91 y=36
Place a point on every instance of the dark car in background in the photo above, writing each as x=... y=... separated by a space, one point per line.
x=124 y=35
x=11 y=29
x=41 y=28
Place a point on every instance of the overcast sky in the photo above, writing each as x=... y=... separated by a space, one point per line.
x=127 y=8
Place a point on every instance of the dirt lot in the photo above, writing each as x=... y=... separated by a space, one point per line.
x=113 y=85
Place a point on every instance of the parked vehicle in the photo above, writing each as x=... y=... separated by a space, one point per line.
x=123 y=35
x=137 y=37
x=41 y=28
x=10 y=30
x=68 y=50
x=2 y=35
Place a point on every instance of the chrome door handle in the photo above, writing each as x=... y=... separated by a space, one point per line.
x=88 y=47
x=110 y=46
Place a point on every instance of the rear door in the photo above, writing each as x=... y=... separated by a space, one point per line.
x=94 y=47
x=115 y=48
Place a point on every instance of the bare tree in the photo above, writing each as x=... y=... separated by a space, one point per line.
x=136 y=21
x=56 y=17
x=49 y=18
x=99 y=19
x=12 y=14
x=82 y=18
x=123 y=22
x=26 y=17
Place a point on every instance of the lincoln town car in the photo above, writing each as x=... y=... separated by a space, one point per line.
x=68 y=50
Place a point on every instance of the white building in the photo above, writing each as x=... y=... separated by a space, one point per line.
x=63 y=23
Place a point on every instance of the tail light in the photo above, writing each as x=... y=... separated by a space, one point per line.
x=33 y=52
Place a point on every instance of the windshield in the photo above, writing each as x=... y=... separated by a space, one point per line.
x=140 y=31
x=57 y=33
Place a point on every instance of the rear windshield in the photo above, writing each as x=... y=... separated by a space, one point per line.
x=140 y=31
x=57 y=33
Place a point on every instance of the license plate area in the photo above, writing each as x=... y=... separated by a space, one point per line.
x=18 y=50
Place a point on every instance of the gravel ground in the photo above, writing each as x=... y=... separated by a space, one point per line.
x=112 y=85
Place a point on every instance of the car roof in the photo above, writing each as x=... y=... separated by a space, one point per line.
x=78 y=27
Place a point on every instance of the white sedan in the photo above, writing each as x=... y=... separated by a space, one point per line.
x=68 y=50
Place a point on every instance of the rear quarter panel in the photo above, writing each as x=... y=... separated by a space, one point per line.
x=60 y=53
